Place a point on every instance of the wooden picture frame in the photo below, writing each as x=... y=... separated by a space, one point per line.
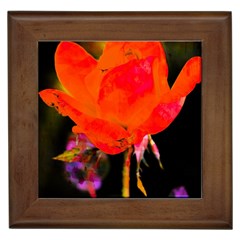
x=213 y=210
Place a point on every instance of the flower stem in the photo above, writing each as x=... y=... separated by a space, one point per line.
x=125 y=172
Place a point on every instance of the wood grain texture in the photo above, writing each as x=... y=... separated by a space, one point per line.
x=213 y=210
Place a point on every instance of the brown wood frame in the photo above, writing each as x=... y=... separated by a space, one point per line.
x=213 y=210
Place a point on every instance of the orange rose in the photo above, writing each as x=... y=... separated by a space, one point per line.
x=121 y=97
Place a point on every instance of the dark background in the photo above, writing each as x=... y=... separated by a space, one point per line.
x=179 y=144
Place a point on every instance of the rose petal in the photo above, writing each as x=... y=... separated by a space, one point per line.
x=118 y=53
x=189 y=76
x=127 y=93
x=106 y=136
x=93 y=81
x=109 y=137
x=161 y=117
x=171 y=101
x=112 y=56
x=72 y=65
x=160 y=74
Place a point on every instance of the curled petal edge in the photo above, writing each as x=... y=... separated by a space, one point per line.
x=107 y=136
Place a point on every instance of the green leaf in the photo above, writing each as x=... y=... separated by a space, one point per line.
x=72 y=155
